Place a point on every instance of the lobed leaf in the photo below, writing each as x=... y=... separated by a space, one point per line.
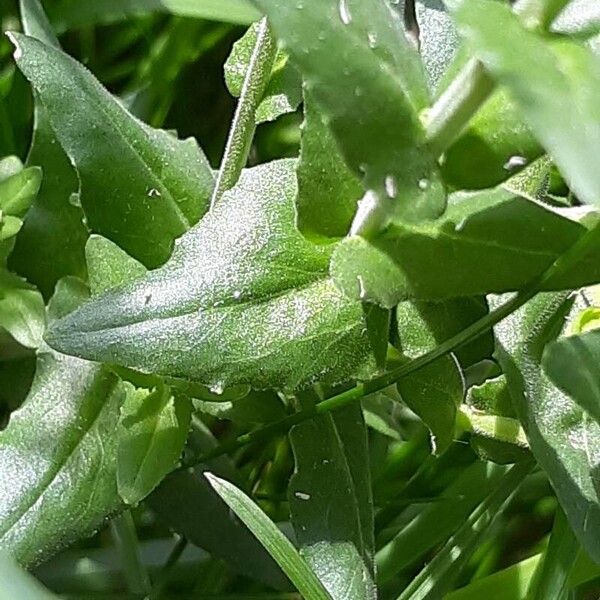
x=240 y=301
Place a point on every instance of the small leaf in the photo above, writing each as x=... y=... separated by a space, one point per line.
x=151 y=434
x=280 y=548
x=371 y=103
x=19 y=191
x=71 y=14
x=572 y=363
x=487 y=241
x=284 y=90
x=556 y=85
x=331 y=504
x=22 y=311
x=242 y=300
x=137 y=183
x=563 y=438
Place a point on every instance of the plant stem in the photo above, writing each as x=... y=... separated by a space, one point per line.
x=563 y=263
x=457 y=105
x=124 y=534
x=244 y=124
x=165 y=574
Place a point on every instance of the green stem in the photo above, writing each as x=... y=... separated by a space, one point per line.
x=435 y=579
x=124 y=534
x=165 y=575
x=457 y=105
x=243 y=126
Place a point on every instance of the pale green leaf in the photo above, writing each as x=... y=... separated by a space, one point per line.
x=17 y=584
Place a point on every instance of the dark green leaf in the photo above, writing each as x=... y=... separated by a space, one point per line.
x=486 y=241
x=369 y=85
x=328 y=192
x=151 y=434
x=58 y=454
x=563 y=438
x=331 y=504
x=280 y=548
x=241 y=301
x=555 y=84
x=284 y=90
x=137 y=183
x=572 y=364
x=69 y=14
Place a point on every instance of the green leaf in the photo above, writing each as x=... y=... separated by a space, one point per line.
x=579 y=17
x=280 y=548
x=137 y=183
x=19 y=191
x=331 y=504
x=70 y=14
x=242 y=300
x=284 y=90
x=50 y=245
x=151 y=434
x=487 y=241
x=328 y=192
x=254 y=408
x=109 y=266
x=572 y=364
x=60 y=451
x=371 y=103
x=556 y=86
x=22 y=311
x=563 y=438
x=17 y=583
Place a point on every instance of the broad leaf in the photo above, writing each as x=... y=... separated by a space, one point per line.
x=21 y=310
x=59 y=453
x=68 y=14
x=50 y=245
x=488 y=241
x=280 y=548
x=330 y=502
x=328 y=192
x=572 y=363
x=137 y=183
x=564 y=439
x=371 y=102
x=284 y=90
x=241 y=301
x=151 y=434
x=555 y=84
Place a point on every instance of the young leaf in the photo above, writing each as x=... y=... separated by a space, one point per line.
x=280 y=548
x=151 y=434
x=70 y=14
x=137 y=183
x=330 y=502
x=284 y=90
x=486 y=241
x=241 y=301
x=371 y=103
x=59 y=453
x=563 y=438
x=328 y=192
x=18 y=191
x=21 y=310
x=50 y=245
x=556 y=86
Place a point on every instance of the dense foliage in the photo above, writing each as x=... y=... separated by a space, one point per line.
x=299 y=299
